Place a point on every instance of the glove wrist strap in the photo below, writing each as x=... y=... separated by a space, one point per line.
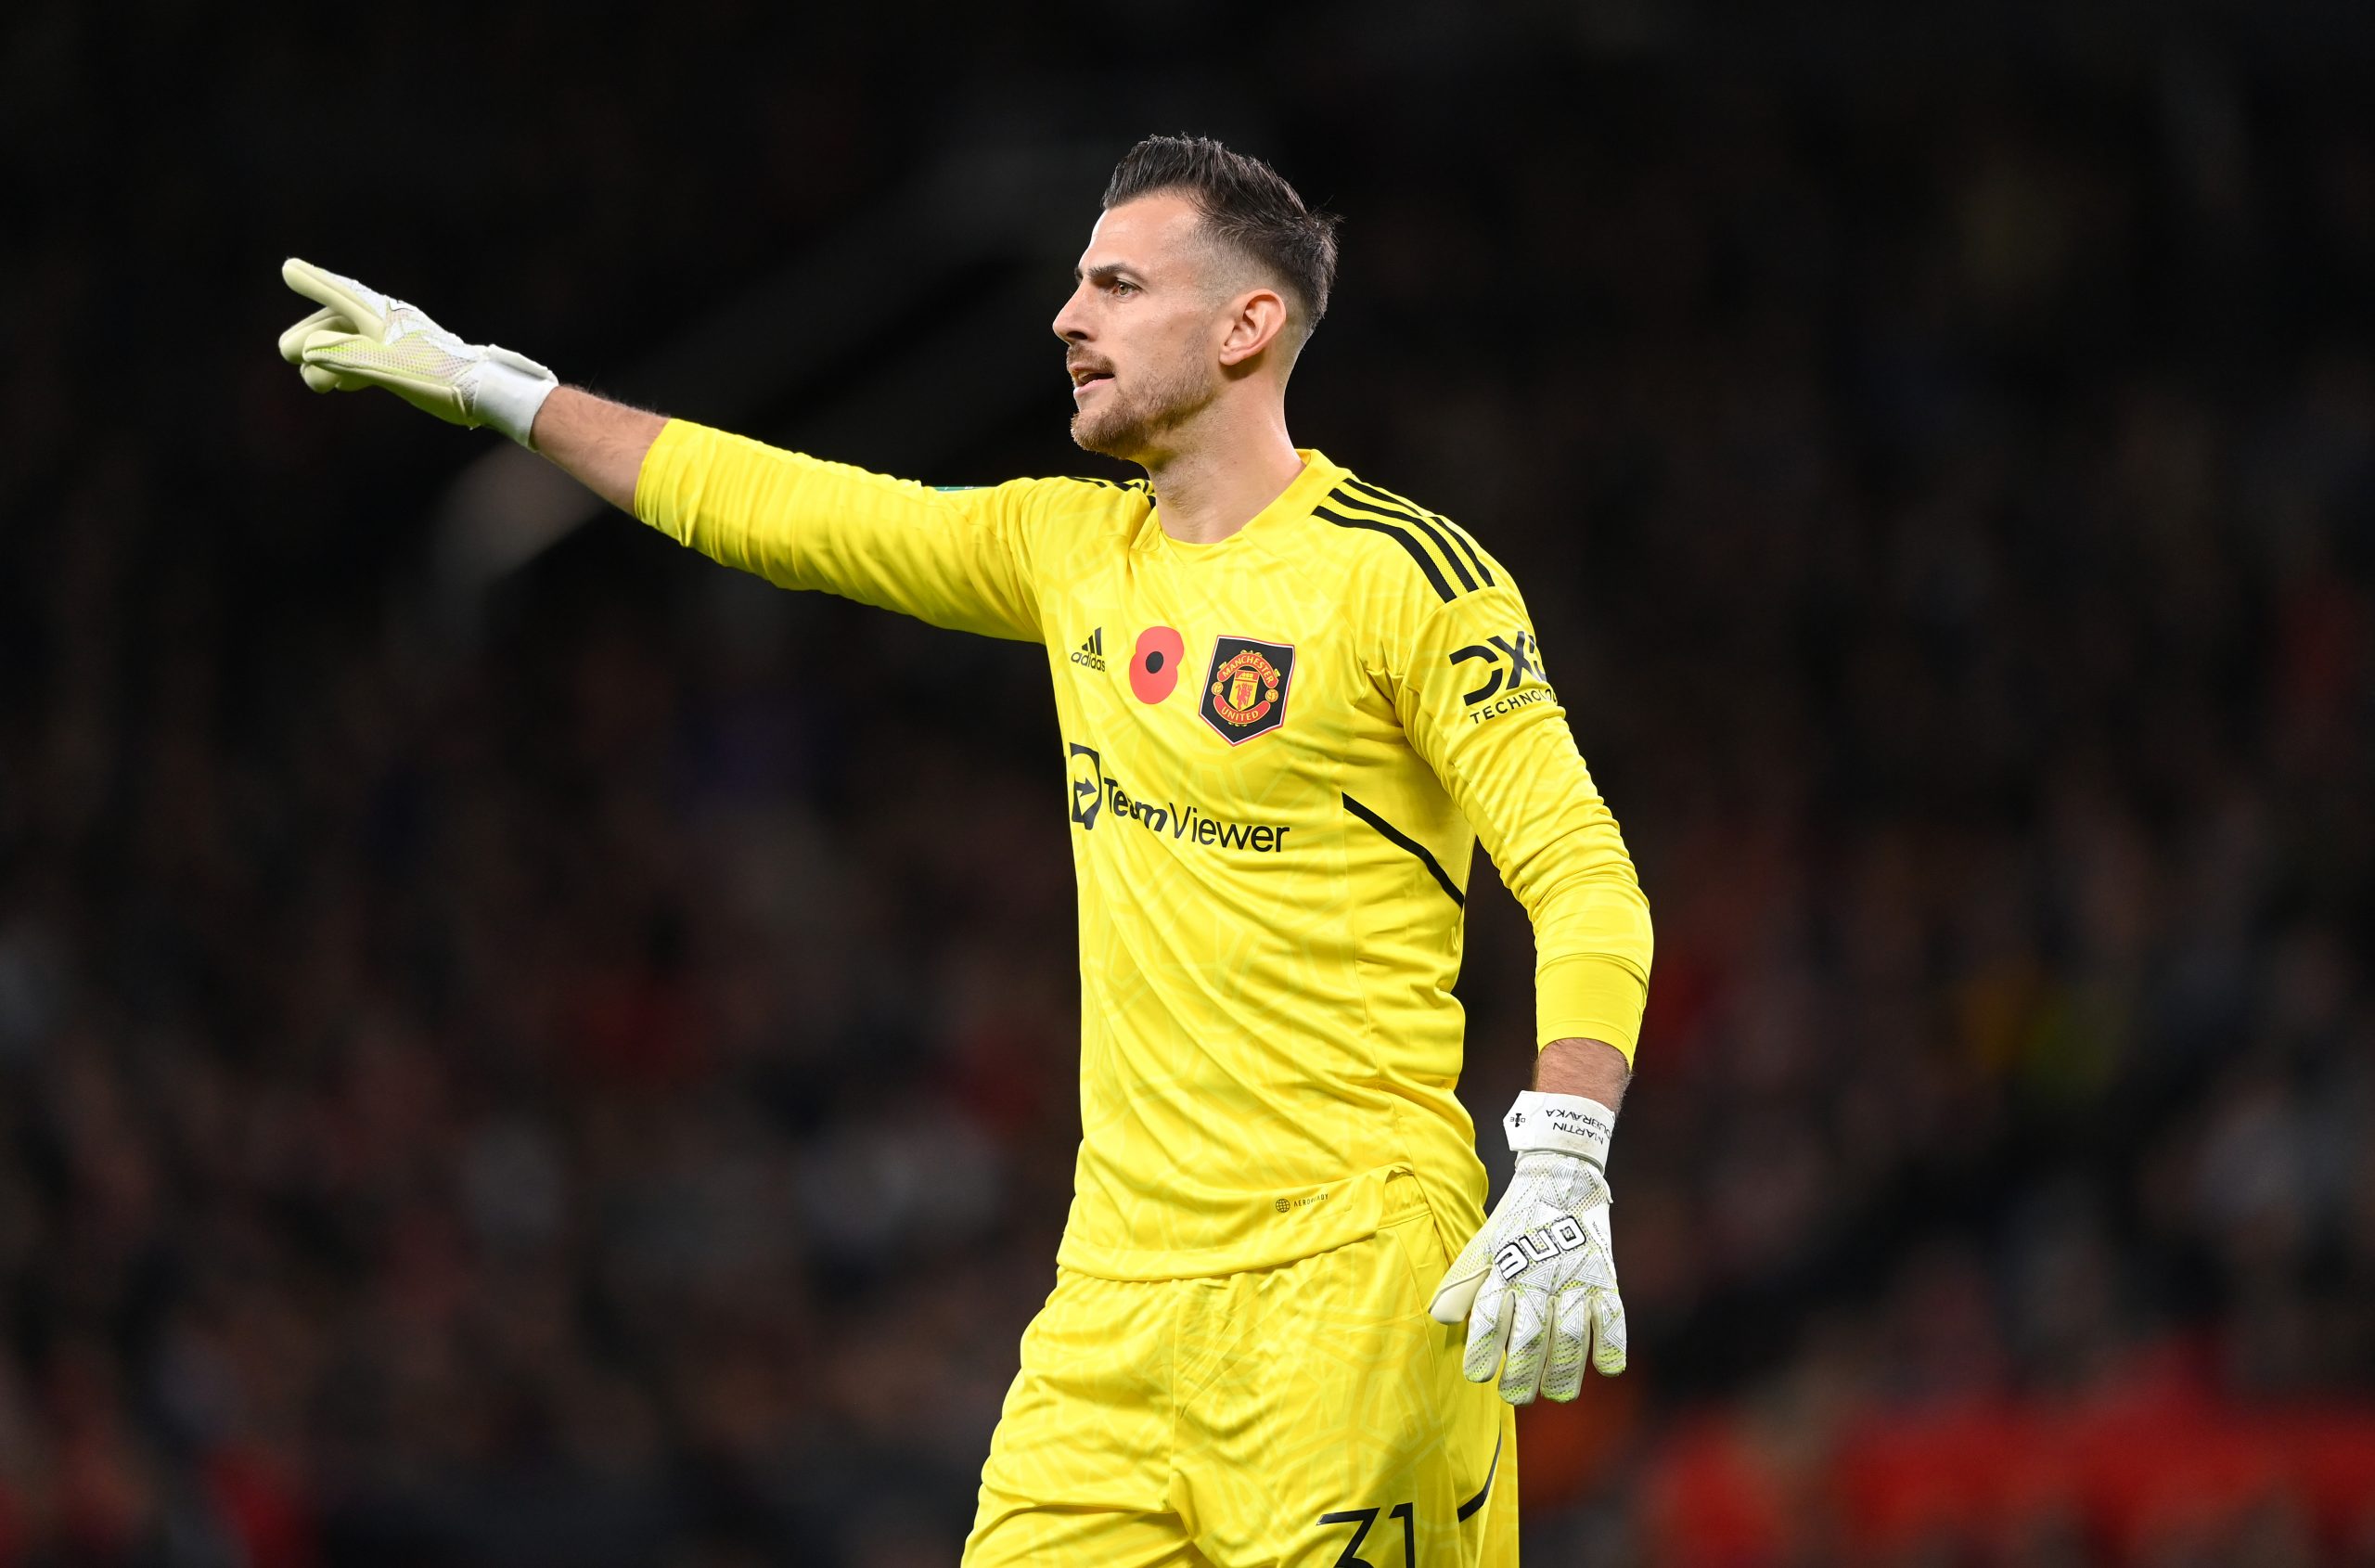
x=511 y=387
x=1565 y=1123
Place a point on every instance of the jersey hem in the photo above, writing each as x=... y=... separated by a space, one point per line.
x=1369 y=1201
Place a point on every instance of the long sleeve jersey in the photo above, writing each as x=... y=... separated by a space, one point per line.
x=1280 y=753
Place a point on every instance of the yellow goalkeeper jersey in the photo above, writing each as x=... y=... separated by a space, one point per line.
x=1280 y=751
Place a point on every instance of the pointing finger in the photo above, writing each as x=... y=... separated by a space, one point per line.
x=365 y=306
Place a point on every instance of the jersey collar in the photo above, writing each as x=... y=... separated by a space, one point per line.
x=1293 y=504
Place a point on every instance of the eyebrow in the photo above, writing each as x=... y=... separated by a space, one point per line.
x=1105 y=272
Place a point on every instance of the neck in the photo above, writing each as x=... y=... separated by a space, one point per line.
x=1211 y=485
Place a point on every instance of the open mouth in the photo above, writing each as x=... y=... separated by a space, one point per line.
x=1086 y=377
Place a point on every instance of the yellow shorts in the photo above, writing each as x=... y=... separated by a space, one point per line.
x=1311 y=1413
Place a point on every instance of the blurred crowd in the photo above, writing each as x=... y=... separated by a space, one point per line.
x=600 y=1091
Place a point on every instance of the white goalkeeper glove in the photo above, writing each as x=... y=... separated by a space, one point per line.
x=361 y=338
x=1538 y=1283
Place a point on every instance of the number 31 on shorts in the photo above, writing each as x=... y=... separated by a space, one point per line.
x=1363 y=1520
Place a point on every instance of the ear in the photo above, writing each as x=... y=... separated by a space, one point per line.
x=1257 y=319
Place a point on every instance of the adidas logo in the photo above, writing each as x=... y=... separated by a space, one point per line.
x=1091 y=653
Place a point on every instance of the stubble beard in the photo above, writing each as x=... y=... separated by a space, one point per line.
x=1131 y=426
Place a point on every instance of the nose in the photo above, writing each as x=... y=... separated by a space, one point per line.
x=1071 y=322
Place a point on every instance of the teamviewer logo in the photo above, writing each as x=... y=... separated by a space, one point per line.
x=1088 y=784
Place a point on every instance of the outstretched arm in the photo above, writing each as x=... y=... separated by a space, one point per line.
x=954 y=559
x=361 y=338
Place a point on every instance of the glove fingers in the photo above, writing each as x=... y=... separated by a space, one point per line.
x=1607 y=1333
x=366 y=307
x=1528 y=1339
x=339 y=373
x=324 y=367
x=292 y=342
x=1571 y=1339
x=1488 y=1330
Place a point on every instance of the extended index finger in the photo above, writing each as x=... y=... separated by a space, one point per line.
x=360 y=303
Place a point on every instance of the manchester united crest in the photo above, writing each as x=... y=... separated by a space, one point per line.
x=1245 y=690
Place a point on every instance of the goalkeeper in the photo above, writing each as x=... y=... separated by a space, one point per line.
x=1290 y=702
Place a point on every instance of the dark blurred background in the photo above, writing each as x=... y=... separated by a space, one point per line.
x=482 y=1026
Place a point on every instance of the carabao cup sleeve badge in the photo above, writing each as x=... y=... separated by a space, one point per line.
x=1245 y=690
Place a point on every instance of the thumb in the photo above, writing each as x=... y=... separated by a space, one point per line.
x=1456 y=1292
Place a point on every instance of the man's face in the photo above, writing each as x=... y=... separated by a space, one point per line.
x=1143 y=329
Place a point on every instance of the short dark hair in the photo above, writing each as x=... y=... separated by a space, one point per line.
x=1247 y=205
